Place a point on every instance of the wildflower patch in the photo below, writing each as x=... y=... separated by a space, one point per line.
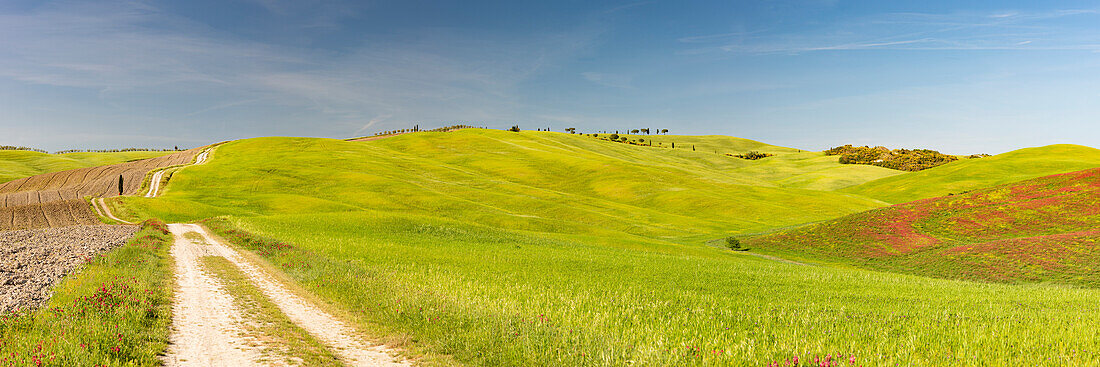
x=114 y=311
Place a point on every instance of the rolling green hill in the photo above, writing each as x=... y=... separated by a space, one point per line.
x=499 y=248
x=539 y=181
x=970 y=174
x=16 y=164
x=1037 y=230
x=788 y=168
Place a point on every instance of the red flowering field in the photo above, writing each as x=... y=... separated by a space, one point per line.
x=1044 y=229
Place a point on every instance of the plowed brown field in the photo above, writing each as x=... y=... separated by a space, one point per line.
x=56 y=199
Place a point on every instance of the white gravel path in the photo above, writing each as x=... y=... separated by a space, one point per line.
x=340 y=338
x=102 y=207
x=154 y=184
x=207 y=328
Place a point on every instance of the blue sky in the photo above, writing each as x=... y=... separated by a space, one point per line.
x=962 y=77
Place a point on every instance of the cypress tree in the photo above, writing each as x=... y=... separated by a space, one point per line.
x=120 y=185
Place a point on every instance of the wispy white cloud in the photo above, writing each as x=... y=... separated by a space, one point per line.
x=1007 y=30
x=719 y=37
x=129 y=52
x=628 y=6
x=372 y=122
x=608 y=80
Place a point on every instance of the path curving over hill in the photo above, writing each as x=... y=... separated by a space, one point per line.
x=56 y=199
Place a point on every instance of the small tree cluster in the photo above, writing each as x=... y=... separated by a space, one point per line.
x=734 y=244
x=647 y=131
x=514 y=128
x=752 y=155
x=899 y=159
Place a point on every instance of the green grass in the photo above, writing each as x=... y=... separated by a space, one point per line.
x=488 y=296
x=499 y=248
x=789 y=167
x=543 y=182
x=114 y=312
x=970 y=174
x=15 y=164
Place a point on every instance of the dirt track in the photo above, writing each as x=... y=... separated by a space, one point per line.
x=56 y=199
x=33 y=261
x=371 y=138
x=207 y=326
x=154 y=184
x=99 y=181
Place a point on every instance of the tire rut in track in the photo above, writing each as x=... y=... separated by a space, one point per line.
x=191 y=328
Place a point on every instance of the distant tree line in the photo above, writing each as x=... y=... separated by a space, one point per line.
x=174 y=149
x=416 y=128
x=9 y=147
x=899 y=159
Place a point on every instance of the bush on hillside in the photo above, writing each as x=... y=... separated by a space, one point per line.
x=899 y=159
x=733 y=243
x=514 y=128
x=752 y=155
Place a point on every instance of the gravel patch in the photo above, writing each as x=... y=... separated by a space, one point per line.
x=33 y=261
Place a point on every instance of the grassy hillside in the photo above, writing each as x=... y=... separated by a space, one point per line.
x=536 y=248
x=789 y=167
x=710 y=143
x=1042 y=229
x=970 y=174
x=15 y=164
x=537 y=181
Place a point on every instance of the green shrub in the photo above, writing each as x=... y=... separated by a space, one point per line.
x=899 y=159
x=733 y=243
x=752 y=155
